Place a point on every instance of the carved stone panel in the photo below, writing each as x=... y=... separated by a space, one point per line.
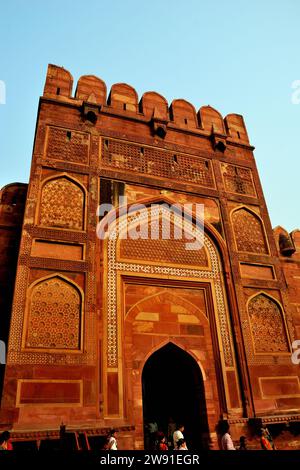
x=157 y=162
x=67 y=145
x=249 y=232
x=169 y=247
x=238 y=179
x=62 y=204
x=54 y=315
x=267 y=325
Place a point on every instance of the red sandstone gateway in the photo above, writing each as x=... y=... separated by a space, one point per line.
x=111 y=332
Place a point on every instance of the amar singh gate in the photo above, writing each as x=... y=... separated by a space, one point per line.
x=111 y=332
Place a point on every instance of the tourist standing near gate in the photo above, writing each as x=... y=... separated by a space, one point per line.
x=226 y=440
x=265 y=441
x=112 y=441
x=178 y=434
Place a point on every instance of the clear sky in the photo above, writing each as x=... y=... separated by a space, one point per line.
x=239 y=56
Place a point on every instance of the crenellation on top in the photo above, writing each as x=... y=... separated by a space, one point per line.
x=211 y=120
x=183 y=114
x=91 y=89
x=236 y=128
x=152 y=106
x=59 y=82
x=123 y=97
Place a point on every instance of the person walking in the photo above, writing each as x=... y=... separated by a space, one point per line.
x=265 y=442
x=112 y=441
x=226 y=440
x=178 y=434
x=270 y=438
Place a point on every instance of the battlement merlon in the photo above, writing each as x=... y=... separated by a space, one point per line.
x=123 y=99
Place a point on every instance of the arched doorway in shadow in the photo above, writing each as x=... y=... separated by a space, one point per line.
x=173 y=387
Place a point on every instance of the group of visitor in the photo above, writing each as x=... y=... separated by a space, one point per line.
x=176 y=439
x=266 y=440
x=159 y=441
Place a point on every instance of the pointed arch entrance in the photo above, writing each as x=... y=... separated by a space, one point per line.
x=155 y=293
x=173 y=392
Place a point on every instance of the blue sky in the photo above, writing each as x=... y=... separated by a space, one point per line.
x=237 y=56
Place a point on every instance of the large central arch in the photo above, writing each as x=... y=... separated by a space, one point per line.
x=131 y=335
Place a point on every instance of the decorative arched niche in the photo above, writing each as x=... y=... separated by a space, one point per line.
x=268 y=329
x=249 y=231
x=62 y=203
x=53 y=315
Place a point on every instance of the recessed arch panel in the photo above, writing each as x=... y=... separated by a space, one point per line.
x=249 y=231
x=62 y=204
x=267 y=325
x=54 y=311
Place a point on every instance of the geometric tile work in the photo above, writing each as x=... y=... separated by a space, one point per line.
x=267 y=325
x=172 y=250
x=62 y=204
x=249 y=232
x=157 y=162
x=66 y=145
x=238 y=179
x=54 y=315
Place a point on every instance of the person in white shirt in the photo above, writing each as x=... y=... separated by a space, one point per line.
x=226 y=441
x=112 y=442
x=178 y=435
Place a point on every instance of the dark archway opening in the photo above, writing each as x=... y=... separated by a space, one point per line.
x=173 y=388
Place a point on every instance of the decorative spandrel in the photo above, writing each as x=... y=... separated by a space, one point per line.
x=62 y=204
x=267 y=325
x=169 y=246
x=54 y=315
